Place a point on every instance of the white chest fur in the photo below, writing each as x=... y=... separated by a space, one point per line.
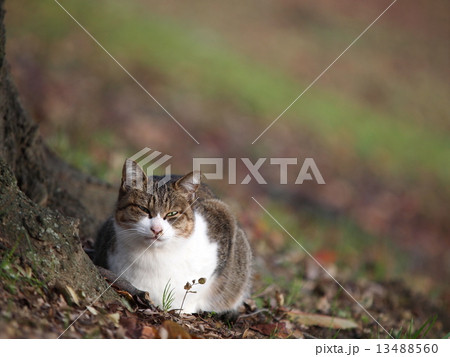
x=178 y=260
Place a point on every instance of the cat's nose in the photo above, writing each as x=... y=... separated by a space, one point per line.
x=156 y=230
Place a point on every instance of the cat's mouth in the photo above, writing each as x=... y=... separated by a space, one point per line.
x=154 y=237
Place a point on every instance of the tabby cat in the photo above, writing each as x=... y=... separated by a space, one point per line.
x=167 y=234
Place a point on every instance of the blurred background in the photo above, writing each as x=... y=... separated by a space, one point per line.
x=377 y=123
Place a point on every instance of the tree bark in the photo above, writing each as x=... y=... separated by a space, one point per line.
x=47 y=208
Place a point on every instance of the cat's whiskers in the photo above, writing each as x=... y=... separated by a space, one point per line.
x=128 y=236
x=128 y=230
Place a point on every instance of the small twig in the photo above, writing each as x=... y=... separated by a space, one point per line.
x=188 y=288
x=252 y=313
x=182 y=303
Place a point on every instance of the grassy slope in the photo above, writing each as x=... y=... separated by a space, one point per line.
x=393 y=147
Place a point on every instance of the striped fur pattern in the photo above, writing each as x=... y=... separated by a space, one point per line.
x=173 y=234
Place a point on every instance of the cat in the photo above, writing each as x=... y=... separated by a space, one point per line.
x=166 y=234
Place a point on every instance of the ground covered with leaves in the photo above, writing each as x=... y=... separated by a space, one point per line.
x=316 y=309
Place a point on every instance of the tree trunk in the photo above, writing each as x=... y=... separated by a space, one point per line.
x=47 y=208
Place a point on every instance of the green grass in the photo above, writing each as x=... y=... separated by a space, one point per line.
x=294 y=292
x=168 y=297
x=13 y=276
x=188 y=58
x=411 y=333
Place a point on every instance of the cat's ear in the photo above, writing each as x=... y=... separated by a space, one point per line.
x=189 y=183
x=133 y=176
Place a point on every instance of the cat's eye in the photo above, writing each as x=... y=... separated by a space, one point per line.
x=144 y=209
x=171 y=214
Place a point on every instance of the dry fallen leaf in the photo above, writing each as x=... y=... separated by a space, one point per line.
x=245 y=334
x=293 y=331
x=249 y=334
x=92 y=310
x=170 y=329
x=307 y=319
x=279 y=298
x=130 y=324
x=149 y=332
x=71 y=296
x=297 y=334
x=114 y=318
x=323 y=304
x=211 y=335
x=125 y=294
x=275 y=330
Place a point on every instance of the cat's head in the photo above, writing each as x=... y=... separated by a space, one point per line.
x=150 y=212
